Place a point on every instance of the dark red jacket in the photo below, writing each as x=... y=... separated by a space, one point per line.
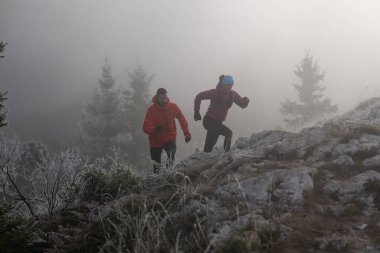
x=220 y=102
x=157 y=115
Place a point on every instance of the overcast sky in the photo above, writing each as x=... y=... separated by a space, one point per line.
x=56 y=48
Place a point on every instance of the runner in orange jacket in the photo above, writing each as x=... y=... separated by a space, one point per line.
x=159 y=124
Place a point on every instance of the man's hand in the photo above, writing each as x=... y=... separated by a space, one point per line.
x=197 y=116
x=245 y=101
x=187 y=139
x=157 y=129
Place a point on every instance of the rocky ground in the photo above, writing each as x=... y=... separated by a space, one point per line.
x=313 y=191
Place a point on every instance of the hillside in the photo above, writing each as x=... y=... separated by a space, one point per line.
x=313 y=191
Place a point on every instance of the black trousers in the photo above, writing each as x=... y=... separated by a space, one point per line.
x=214 y=129
x=170 y=149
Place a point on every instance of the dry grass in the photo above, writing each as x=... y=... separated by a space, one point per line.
x=252 y=239
x=308 y=223
x=309 y=227
x=151 y=222
x=342 y=172
x=353 y=132
x=193 y=172
x=373 y=187
x=274 y=154
x=222 y=174
x=362 y=155
x=373 y=229
x=314 y=222
x=234 y=244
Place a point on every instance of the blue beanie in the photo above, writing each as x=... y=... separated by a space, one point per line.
x=227 y=80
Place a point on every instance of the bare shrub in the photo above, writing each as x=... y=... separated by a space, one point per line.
x=50 y=185
x=102 y=185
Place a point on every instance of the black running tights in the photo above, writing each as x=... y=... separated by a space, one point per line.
x=214 y=129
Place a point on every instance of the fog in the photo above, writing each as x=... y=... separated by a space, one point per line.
x=55 y=51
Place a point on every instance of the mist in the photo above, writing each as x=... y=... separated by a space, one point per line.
x=55 y=50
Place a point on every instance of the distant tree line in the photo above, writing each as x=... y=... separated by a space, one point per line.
x=111 y=121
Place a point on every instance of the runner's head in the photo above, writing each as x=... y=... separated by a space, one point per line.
x=226 y=82
x=162 y=97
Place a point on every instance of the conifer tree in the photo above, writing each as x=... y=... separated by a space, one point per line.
x=311 y=104
x=136 y=101
x=101 y=124
x=2 y=94
x=2 y=114
x=2 y=48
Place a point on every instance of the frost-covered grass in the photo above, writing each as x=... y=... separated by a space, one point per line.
x=155 y=220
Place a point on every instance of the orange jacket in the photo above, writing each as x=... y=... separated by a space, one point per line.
x=157 y=115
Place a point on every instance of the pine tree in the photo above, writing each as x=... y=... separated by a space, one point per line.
x=2 y=48
x=312 y=106
x=101 y=123
x=2 y=114
x=136 y=101
x=2 y=94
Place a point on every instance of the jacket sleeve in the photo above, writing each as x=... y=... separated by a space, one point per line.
x=239 y=101
x=183 y=122
x=202 y=96
x=148 y=126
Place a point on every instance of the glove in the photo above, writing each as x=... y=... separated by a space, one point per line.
x=197 y=116
x=157 y=128
x=187 y=139
x=245 y=101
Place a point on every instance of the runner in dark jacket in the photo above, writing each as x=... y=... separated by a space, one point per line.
x=221 y=99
